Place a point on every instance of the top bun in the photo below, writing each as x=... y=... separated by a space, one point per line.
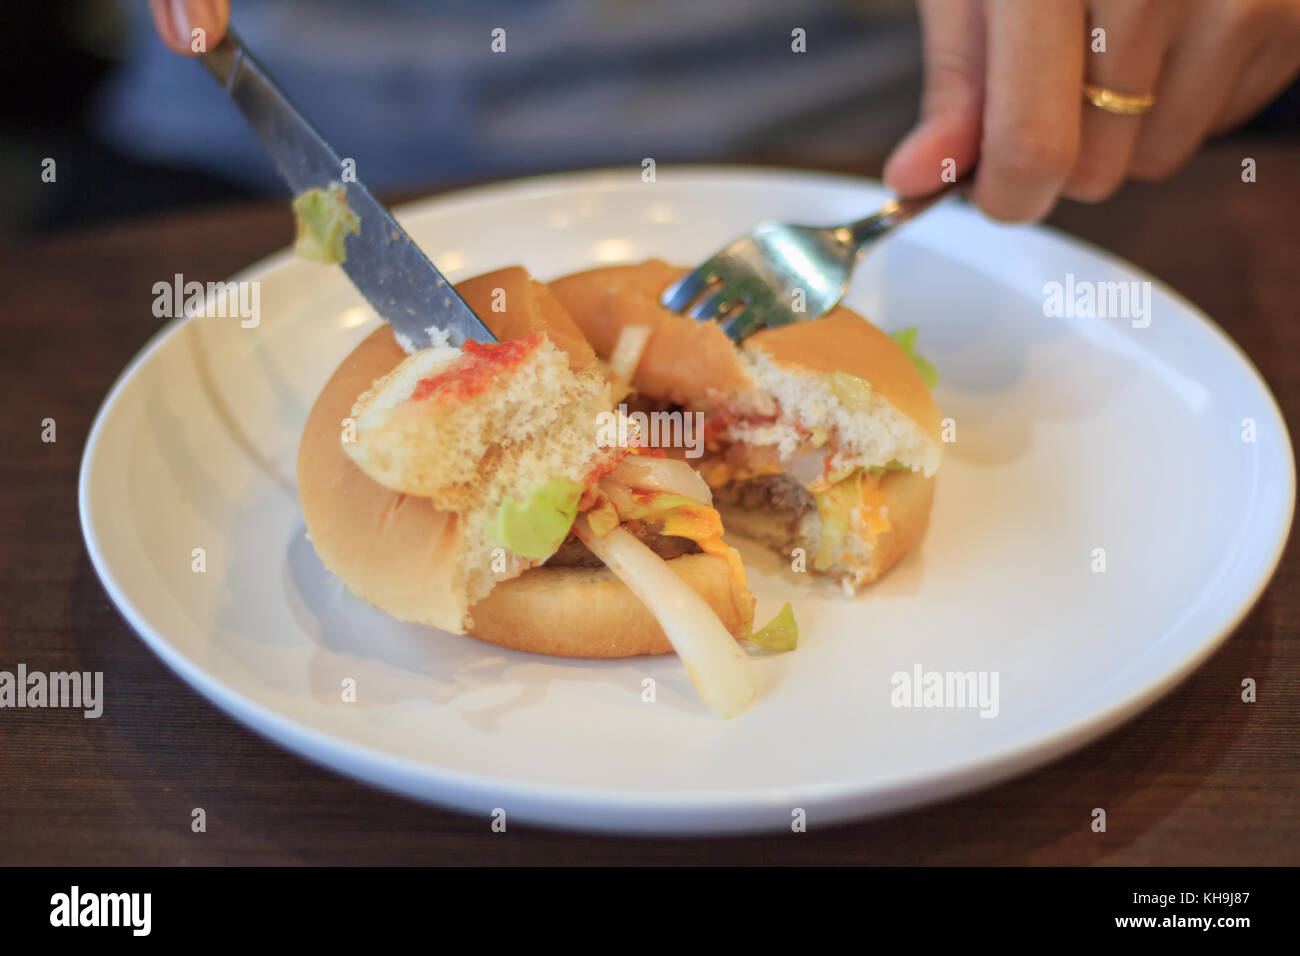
x=397 y=551
x=894 y=419
x=496 y=421
x=512 y=304
x=685 y=361
x=790 y=371
x=393 y=496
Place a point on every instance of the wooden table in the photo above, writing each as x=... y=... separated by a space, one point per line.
x=1200 y=778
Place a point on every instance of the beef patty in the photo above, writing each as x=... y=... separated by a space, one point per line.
x=776 y=493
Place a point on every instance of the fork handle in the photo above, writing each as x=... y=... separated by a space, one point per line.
x=897 y=211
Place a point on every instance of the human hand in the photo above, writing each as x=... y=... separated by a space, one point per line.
x=1004 y=80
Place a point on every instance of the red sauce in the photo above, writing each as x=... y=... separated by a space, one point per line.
x=605 y=467
x=475 y=369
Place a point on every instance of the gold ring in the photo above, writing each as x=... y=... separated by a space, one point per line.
x=1122 y=103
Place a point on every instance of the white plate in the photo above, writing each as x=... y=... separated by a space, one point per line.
x=1072 y=434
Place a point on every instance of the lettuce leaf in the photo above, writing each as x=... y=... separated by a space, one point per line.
x=906 y=339
x=835 y=506
x=538 y=526
x=324 y=221
x=779 y=634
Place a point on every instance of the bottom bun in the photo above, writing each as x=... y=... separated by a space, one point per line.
x=588 y=612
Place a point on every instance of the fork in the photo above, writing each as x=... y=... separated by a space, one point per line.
x=782 y=273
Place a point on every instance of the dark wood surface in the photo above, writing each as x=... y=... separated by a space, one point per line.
x=1200 y=778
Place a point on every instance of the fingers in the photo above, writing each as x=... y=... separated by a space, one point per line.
x=1208 y=63
x=177 y=20
x=1267 y=73
x=1032 y=106
x=1136 y=38
x=1195 y=82
x=953 y=44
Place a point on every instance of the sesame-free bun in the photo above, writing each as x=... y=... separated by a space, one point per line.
x=843 y=341
x=685 y=361
x=588 y=612
x=512 y=303
x=388 y=548
x=693 y=363
x=406 y=557
x=797 y=363
x=508 y=425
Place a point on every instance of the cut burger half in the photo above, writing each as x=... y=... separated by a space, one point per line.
x=467 y=489
x=823 y=439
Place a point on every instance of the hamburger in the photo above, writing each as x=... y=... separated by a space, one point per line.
x=477 y=490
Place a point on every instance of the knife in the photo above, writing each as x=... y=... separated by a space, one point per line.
x=383 y=262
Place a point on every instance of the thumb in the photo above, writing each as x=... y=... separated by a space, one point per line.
x=951 y=102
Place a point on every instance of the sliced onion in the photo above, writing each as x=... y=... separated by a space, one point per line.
x=718 y=667
x=626 y=356
x=808 y=467
x=620 y=496
x=662 y=474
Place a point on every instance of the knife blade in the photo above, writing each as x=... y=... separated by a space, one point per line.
x=383 y=262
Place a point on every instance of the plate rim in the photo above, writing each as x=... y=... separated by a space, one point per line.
x=642 y=811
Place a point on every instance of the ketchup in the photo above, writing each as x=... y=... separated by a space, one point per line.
x=473 y=371
x=603 y=469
